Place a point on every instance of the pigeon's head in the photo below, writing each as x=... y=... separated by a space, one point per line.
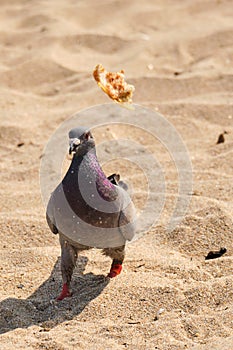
x=81 y=141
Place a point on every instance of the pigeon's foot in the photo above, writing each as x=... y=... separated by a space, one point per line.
x=115 y=270
x=65 y=293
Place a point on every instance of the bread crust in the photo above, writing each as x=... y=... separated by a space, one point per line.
x=114 y=85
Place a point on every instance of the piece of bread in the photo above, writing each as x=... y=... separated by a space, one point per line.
x=114 y=85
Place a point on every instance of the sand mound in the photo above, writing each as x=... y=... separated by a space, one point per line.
x=208 y=229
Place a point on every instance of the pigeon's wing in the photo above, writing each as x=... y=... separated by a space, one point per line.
x=123 y=185
x=50 y=216
x=127 y=217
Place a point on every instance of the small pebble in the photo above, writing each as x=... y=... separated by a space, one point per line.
x=20 y=144
x=150 y=66
x=159 y=312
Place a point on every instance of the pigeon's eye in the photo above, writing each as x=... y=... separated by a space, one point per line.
x=87 y=135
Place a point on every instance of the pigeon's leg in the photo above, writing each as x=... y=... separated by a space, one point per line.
x=68 y=262
x=117 y=255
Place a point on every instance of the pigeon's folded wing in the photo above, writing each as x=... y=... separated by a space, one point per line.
x=127 y=218
x=50 y=216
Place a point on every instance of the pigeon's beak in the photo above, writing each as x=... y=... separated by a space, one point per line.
x=74 y=143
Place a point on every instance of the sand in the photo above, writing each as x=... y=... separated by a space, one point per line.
x=179 y=56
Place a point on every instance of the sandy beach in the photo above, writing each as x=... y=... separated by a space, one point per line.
x=179 y=57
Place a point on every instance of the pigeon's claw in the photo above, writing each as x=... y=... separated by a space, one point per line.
x=65 y=293
x=115 y=270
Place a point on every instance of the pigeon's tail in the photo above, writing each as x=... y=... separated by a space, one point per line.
x=115 y=180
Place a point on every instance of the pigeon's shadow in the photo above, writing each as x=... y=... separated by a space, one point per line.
x=41 y=309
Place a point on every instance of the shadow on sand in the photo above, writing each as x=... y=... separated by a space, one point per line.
x=41 y=309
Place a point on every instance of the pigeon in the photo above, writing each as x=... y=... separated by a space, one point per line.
x=89 y=210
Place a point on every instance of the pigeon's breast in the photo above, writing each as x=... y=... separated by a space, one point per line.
x=85 y=225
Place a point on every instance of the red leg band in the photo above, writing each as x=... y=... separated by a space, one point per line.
x=64 y=293
x=115 y=270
